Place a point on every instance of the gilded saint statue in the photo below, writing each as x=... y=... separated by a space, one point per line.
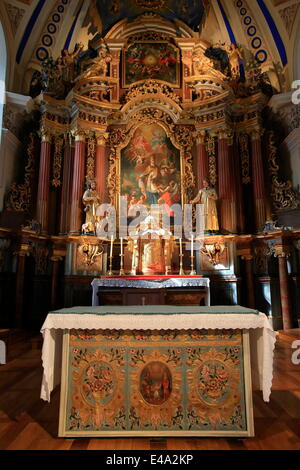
x=91 y=201
x=208 y=197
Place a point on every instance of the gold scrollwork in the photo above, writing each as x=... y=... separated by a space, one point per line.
x=91 y=155
x=214 y=252
x=57 y=160
x=19 y=198
x=245 y=158
x=283 y=194
x=151 y=87
x=212 y=159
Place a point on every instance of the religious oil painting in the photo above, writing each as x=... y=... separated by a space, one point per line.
x=151 y=60
x=155 y=383
x=133 y=383
x=150 y=169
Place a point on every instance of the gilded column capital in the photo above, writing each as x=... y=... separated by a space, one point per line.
x=282 y=251
x=200 y=137
x=226 y=134
x=102 y=139
x=247 y=257
x=256 y=134
x=46 y=135
x=79 y=135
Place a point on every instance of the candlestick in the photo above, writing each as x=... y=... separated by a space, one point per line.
x=110 y=273
x=122 y=272
x=111 y=245
x=193 y=272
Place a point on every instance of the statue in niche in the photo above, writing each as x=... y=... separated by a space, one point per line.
x=208 y=197
x=91 y=201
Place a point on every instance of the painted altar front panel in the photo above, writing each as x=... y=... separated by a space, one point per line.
x=155 y=383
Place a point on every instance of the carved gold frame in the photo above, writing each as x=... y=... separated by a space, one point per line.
x=178 y=68
x=173 y=132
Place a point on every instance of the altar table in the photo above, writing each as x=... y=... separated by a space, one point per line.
x=151 y=282
x=128 y=346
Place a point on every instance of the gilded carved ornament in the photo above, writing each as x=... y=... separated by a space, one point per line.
x=212 y=159
x=19 y=198
x=245 y=158
x=283 y=194
x=282 y=251
x=57 y=160
x=214 y=252
x=90 y=253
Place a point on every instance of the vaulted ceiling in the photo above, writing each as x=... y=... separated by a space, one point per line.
x=37 y=29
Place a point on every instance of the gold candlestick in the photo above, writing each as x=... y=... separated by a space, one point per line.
x=110 y=272
x=181 y=271
x=193 y=272
x=122 y=272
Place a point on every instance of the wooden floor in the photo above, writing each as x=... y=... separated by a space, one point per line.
x=26 y=422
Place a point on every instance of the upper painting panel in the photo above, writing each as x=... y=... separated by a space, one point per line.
x=145 y=60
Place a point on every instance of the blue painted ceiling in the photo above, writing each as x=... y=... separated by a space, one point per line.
x=189 y=11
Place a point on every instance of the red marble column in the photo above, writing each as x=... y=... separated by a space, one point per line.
x=286 y=304
x=78 y=185
x=100 y=173
x=250 y=281
x=42 y=214
x=201 y=161
x=258 y=182
x=226 y=186
x=67 y=175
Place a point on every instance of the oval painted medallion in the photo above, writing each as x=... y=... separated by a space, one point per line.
x=156 y=383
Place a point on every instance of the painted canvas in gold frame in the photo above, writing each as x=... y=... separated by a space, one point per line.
x=157 y=60
x=156 y=383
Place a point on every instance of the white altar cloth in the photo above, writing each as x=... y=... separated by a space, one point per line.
x=262 y=336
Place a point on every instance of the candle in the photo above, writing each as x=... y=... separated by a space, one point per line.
x=121 y=239
x=111 y=246
x=192 y=247
x=180 y=244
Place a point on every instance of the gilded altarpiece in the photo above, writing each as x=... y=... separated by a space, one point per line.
x=131 y=383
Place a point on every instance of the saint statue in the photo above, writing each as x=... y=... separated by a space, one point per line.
x=235 y=56
x=99 y=65
x=91 y=201
x=208 y=197
x=68 y=63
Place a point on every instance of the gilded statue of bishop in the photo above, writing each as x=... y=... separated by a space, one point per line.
x=208 y=197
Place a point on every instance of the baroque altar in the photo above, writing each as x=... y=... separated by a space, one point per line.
x=151 y=112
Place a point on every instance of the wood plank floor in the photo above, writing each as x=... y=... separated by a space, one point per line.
x=27 y=423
